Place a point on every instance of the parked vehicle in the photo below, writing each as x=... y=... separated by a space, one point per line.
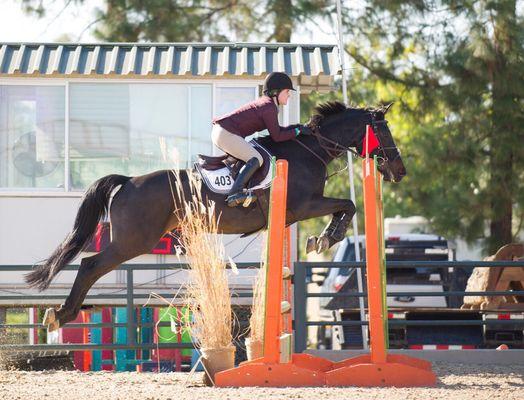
x=405 y=247
x=411 y=247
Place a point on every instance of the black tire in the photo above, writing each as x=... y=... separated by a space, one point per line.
x=240 y=331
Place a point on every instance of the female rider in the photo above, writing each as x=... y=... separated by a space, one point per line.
x=230 y=130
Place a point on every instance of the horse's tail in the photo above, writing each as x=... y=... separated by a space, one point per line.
x=93 y=207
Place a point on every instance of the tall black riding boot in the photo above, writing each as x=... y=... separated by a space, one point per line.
x=237 y=195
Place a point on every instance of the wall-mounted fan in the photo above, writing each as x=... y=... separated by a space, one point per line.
x=25 y=160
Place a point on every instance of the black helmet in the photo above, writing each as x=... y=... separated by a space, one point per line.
x=275 y=82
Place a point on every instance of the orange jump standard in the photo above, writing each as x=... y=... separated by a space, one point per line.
x=279 y=367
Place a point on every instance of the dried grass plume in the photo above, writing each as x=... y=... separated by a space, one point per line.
x=209 y=298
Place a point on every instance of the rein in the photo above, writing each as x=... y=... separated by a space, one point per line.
x=328 y=150
x=332 y=149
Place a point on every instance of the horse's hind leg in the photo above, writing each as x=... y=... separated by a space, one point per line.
x=91 y=269
x=140 y=215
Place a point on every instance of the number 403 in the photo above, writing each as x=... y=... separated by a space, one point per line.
x=223 y=180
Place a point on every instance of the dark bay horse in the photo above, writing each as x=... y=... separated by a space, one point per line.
x=142 y=210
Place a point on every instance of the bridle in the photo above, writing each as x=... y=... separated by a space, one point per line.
x=334 y=149
x=382 y=157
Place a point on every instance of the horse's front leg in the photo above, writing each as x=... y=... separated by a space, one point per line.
x=342 y=210
x=333 y=233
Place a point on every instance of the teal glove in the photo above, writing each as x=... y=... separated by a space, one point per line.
x=305 y=130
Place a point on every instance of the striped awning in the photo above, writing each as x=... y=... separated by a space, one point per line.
x=311 y=65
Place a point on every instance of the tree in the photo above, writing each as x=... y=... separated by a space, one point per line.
x=195 y=20
x=457 y=70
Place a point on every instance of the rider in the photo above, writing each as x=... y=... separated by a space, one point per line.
x=230 y=130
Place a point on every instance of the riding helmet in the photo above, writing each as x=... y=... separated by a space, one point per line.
x=277 y=81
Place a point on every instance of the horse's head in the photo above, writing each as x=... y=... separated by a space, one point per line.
x=340 y=127
x=390 y=163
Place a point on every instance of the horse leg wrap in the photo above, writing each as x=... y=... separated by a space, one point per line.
x=339 y=231
x=332 y=234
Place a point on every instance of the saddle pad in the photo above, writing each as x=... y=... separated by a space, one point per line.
x=220 y=180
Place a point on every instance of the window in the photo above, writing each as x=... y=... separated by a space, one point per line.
x=132 y=129
x=201 y=116
x=32 y=137
x=230 y=98
x=113 y=128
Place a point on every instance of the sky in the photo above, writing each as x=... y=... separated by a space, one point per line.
x=16 y=26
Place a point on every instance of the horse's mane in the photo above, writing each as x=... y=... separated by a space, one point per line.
x=324 y=110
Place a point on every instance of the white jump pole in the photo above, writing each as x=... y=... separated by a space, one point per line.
x=351 y=177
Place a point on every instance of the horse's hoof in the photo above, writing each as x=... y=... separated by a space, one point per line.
x=54 y=326
x=311 y=244
x=50 y=320
x=322 y=244
x=49 y=316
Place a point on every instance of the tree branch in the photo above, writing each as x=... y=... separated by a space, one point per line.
x=385 y=74
x=56 y=16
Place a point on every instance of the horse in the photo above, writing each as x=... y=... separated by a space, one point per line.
x=142 y=210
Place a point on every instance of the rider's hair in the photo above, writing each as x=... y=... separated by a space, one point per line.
x=272 y=93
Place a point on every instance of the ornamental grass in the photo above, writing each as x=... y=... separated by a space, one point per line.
x=208 y=295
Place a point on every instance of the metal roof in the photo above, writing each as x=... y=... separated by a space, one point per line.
x=310 y=64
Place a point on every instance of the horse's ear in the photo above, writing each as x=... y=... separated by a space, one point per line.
x=387 y=107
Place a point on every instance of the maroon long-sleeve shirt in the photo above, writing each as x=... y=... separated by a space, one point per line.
x=254 y=117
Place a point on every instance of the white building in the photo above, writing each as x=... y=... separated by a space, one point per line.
x=71 y=113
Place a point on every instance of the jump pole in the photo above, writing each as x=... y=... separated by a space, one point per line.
x=279 y=367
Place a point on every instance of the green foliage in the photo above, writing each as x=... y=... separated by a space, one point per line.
x=455 y=69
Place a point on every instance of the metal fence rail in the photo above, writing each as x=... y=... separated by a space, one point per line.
x=300 y=298
x=35 y=299
x=301 y=294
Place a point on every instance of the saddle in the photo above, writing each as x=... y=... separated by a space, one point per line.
x=219 y=172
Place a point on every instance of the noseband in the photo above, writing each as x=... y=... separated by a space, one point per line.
x=382 y=157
